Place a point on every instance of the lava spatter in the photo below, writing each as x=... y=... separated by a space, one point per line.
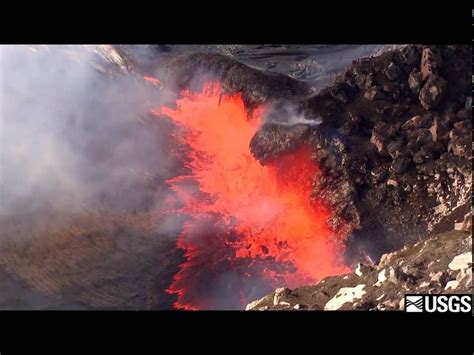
x=247 y=224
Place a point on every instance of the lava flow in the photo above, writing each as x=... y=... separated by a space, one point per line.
x=249 y=227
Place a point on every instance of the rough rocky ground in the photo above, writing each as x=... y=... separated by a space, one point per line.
x=440 y=264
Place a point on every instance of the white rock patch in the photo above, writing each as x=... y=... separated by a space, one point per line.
x=383 y=276
x=452 y=285
x=277 y=296
x=256 y=303
x=461 y=261
x=344 y=295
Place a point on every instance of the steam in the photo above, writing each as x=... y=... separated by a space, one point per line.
x=70 y=135
x=287 y=115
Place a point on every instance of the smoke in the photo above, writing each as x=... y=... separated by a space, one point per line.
x=73 y=134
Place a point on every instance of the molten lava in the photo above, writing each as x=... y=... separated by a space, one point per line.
x=247 y=225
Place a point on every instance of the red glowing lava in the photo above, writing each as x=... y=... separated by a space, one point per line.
x=242 y=214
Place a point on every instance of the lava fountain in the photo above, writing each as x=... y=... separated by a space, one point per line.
x=249 y=228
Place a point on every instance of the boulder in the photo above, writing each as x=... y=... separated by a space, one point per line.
x=345 y=295
x=415 y=81
x=380 y=136
x=374 y=93
x=432 y=92
x=462 y=261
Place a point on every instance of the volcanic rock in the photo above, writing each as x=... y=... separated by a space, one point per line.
x=374 y=93
x=362 y=269
x=431 y=62
x=400 y=165
x=463 y=126
x=466 y=224
x=422 y=135
x=416 y=122
x=378 y=174
x=460 y=146
x=345 y=295
x=419 y=157
x=452 y=285
x=465 y=278
x=364 y=81
x=432 y=92
x=257 y=303
x=392 y=71
x=415 y=81
x=411 y=55
x=462 y=261
x=256 y=86
x=412 y=269
x=380 y=136
x=273 y=139
x=439 y=277
x=396 y=148
x=439 y=130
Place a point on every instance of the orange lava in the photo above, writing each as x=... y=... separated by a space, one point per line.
x=152 y=80
x=254 y=212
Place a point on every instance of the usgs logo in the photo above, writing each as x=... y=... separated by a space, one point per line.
x=438 y=303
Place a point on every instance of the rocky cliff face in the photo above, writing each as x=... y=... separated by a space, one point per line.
x=394 y=147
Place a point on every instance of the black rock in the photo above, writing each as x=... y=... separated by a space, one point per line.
x=378 y=174
x=433 y=149
x=427 y=168
x=460 y=146
x=432 y=92
x=399 y=109
x=374 y=93
x=400 y=165
x=463 y=126
x=380 y=136
x=415 y=81
x=392 y=71
x=419 y=157
x=439 y=130
x=422 y=136
x=413 y=146
x=416 y=122
x=463 y=115
x=411 y=55
x=396 y=148
x=364 y=81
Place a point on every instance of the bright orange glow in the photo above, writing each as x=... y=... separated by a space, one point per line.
x=264 y=212
x=152 y=80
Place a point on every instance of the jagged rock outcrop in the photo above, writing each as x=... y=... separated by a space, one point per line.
x=393 y=146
